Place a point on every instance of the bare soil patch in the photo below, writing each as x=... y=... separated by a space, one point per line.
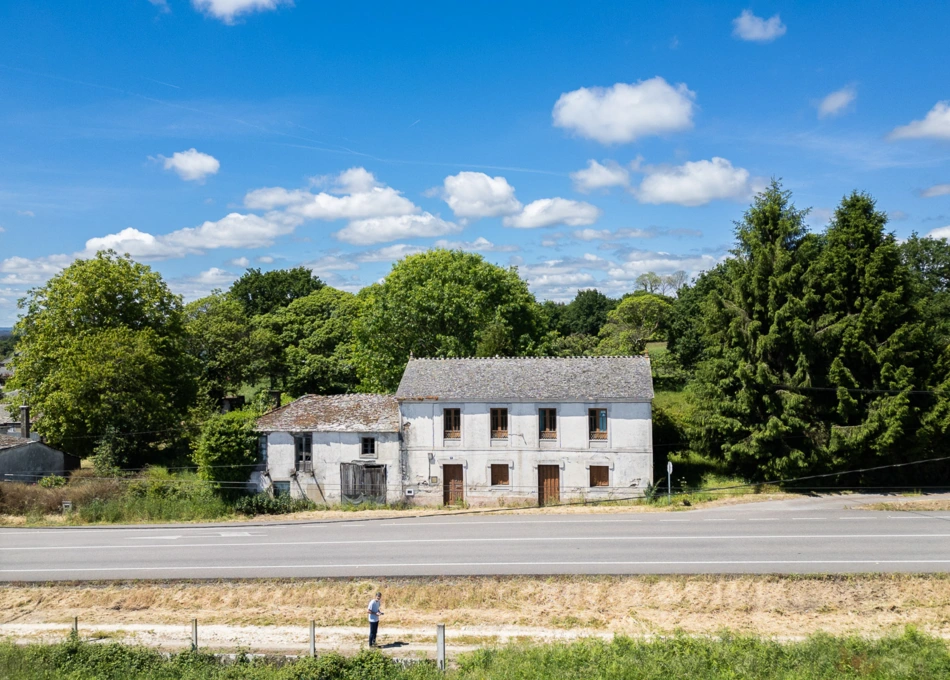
x=923 y=505
x=486 y=609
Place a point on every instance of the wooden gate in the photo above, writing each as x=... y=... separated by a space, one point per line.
x=362 y=483
x=549 y=484
x=453 y=484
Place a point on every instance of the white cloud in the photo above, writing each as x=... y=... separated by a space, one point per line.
x=624 y=112
x=837 y=102
x=331 y=263
x=353 y=181
x=162 y=5
x=472 y=195
x=936 y=190
x=596 y=176
x=233 y=231
x=228 y=10
x=192 y=165
x=694 y=183
x=479 y=245
x=216 y=276
x=749 y=27
x=139 y=244
x=935 y=125
x=547 y=212
x=390 y=253
x=24 y=271
x=264 y=259
x=26 y=213
x=940 y=232
x=2 y=230
x=239 y=262
x=392 y=227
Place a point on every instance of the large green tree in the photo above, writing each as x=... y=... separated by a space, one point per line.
x=637 y=319
x=871 y=350
x=313 y=337
x=586 y=314
x=227 y=347
x=262 y=292
x=442 y=303
x=757 y=335
x=102 y=351
x=685 y=333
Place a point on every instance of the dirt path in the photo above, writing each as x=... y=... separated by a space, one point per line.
x=271 y=615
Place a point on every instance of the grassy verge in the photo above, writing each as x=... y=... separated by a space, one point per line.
x=910 y=655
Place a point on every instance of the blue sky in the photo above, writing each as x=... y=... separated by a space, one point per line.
x=584 y=143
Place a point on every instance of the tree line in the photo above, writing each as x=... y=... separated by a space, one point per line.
x=800 y=352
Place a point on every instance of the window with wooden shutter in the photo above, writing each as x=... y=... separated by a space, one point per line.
x=452 y=423
x=499 y=475
x=598 y=423
x=600 y=475
x=547 y=423
x=499 y=423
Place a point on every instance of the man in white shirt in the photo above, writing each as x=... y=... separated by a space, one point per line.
x=374 y=614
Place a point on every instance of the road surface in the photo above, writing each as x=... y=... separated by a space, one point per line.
x=799 y=536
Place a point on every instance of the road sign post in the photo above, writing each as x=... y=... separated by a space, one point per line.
x=669 y=477
x=440 y=646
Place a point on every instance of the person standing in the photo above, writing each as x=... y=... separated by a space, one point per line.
x=374 y=614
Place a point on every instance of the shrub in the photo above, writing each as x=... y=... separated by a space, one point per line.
x=265 y=504
x=227 y=448
x=52 y=482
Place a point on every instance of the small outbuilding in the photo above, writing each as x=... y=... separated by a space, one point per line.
x=29 y=460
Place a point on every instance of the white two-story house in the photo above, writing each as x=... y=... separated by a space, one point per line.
x=476 y=431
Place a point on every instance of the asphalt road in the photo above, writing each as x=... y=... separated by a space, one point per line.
x=799 y=536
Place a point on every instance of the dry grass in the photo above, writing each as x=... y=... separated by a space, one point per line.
x=636 y=605
x=910 y=506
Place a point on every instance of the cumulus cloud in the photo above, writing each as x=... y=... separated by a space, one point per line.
x=479 y=245
x=608 y=235
x=936 y=190
x=24 y=271
x=547 y=212
x=331 y=263
x=393 y=227
x=229 y=10
x=694 y=183
x=837 y=102
x=235 y=230
x=935 y=125
x=600 y=176
x=626 y=111
x=749 y=27
x=390 y=253
x=139 y=244
x=239 y=262
x=940 y=232
x=192 y=165
x=472 y=195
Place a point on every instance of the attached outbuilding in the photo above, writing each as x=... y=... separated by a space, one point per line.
x=341 y=448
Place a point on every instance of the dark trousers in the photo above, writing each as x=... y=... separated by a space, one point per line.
x=373 y=627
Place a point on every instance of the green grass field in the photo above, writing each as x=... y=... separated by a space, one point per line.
x=910 y=655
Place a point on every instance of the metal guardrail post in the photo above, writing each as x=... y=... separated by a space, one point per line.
x=313 y=639
x=440 y=645
x=194 y=635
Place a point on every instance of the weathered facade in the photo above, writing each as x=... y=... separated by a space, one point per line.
x=332 y=449
x=478 y=431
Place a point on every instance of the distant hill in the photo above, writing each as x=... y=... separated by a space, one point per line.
x=6 y=332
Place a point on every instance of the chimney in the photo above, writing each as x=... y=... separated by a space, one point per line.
x=275 y=398
x=25 y=422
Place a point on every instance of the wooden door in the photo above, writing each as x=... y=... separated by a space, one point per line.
x=453 y=484
x=549 y=484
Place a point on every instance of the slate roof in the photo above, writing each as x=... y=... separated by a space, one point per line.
x=528 y=379
x=334 y=413
x=8 y=441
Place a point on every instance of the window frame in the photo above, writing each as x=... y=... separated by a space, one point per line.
x=453 y=416
x=303 y=452
x=491 y=475
x=280 y=489
x=594 y=423
x=543 y=419
x=363 y=443
x=262 y=449
x=496 y=416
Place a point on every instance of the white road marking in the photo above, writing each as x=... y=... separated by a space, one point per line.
x=148 y=538
x=415 y=541
x=441 y=565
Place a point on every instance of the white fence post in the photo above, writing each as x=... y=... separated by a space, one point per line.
x=194 y=635
x=313 y=639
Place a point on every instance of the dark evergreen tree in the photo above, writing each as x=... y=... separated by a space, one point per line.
x=262 y=292
x=586 y=314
